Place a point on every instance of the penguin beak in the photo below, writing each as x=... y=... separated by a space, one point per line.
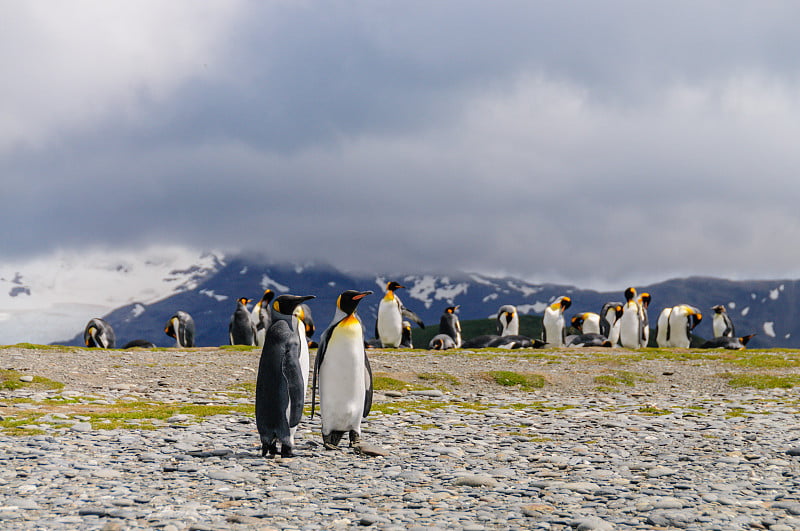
x=362 y=295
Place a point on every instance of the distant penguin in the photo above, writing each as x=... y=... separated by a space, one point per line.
x=507 y=320
x=98 y=333
x=644 y=304
x=407 y=340
x=589 y=340
x=441 y=342
x=139 y=343
x=609 y=321
x=675 y=325
x=450 y=325
x=342 y=374
x=389 y=324
x=260 y=316
x=730 y=343
x=630 y=325
x=554 y=332
x=181 y=327
x=305 y=327
x=280 y=393
x=515 y=342
x=482 y=341
x=303 y=313
x=586 y=322
x=240 y=328
x=721 y=322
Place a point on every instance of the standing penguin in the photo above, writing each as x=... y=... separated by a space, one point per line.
x=450 y=325
x=260 y=316
x=610 y=315
x=181 y=327
x=279 y=386
x=644 y=304
x=98 y=333
x=303 y=313
x=586 y=322
x=554 y=332
x=407 y=341
x=675 y=325
x=342 y=374
x=630 y=324
x=389 y=325
x=507 y=321
x=240 y=329
x=721 y=322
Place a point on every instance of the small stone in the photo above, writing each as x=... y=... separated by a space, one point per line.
x=476 y=480
x=27 y=378
x=660 y=471
x=794 y=451
x=433 y=393
x=82 y=426
x=371 y=450
x=591 y=524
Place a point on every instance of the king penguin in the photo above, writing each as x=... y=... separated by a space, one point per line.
x=554 y=332
x=408 y=340
x=389 y=325
x=303 y=314
x=260 y=316
x=630 y=324
x=507 y=321
x=181 y=327
x=342 y=374
x=450 y=325
x=610 y=315
x=441 y=342
x=240 y=328
x=279 y=386
x=721 y=322
x=98 y=333
x=644 y=304
x=586 y=322
x=675 y=325
x=730 y=343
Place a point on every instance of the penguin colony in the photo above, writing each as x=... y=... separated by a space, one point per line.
x=342 y=377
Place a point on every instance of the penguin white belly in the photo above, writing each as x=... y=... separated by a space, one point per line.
x=591 y=325
x=390 y=323
x=304 y=356
x=512 y=328
x=661 y=328
x=553 y=325
x=679 y=337
x=630 y=326
x=342 y=380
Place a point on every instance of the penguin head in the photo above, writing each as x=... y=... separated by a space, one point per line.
x=348 y=300
x=437 y=344
x=565 y=303
x=244 y=301
x=694 y=317
x=451 y=309
x=89 y=336
x=745 y=339
x=268 y=295
x=630 y=294
x=577 y=320
x=303 y=314
x=719 y=309
x=391 y=286
x=619 y=310
x=283 y=306
x=644 y=299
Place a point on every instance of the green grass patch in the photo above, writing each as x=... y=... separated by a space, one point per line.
x=652 y=410
x=763 y=360
x=762 y=381
x=382 y=382
x=525 y=381
x=10 y=379
x=239 y=348
x=626 y=378
x=438 y=377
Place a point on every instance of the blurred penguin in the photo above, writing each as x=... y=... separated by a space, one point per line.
x=406 y=341
x=630 y=326
x=260 y=316
x=586 y=322
x=554 y=332
x=730 y=343
x=389 y=324
x=675 y=325
x=181 y=327
x=609 y=321
x=450 y=325
x=99 y=334
x=240 y=328
x=441 y=342
x=721 y=322
x=507 y=320
x=644 y=304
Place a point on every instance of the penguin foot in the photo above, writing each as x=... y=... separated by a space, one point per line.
x=271 y=449
x=355 y=438
x=286 y=451
x=331 y=441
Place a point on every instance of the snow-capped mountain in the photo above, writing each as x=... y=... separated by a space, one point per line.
x=137 y=293
x=49 y=298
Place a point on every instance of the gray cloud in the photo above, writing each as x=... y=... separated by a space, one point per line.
x=605 y=144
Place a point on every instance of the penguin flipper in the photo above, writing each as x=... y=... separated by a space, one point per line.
x=408 y=314
x=294 y=383
x=368 y=393
x=323 y=346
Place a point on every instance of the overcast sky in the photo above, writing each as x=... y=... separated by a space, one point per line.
x=597 y=143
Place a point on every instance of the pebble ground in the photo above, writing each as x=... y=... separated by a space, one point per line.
x=663 y=454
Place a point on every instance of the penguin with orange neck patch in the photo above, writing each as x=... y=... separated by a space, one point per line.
x=630 y=324
x=240 y=328
x=342 y=374
x=389 y=325
x=553 y=330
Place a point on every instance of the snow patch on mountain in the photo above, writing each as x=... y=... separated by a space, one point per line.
x=268 y=283
x=745 y=311
x=526 y=291
x=769 y=328
x=213 y=295
x=428 y=290
x=537 y=308
x=774 y=294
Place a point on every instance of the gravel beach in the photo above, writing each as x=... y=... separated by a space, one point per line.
x=614 y=439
